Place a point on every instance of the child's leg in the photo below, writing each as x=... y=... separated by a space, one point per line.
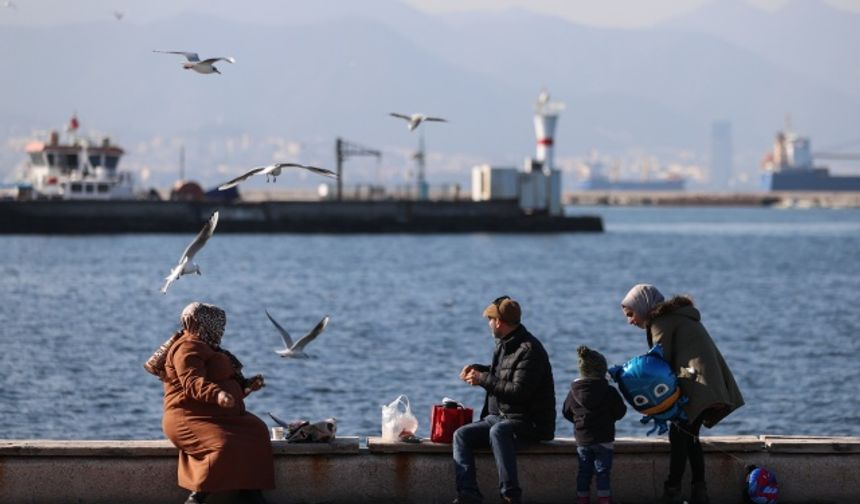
x=603 y=468
x=585 y=472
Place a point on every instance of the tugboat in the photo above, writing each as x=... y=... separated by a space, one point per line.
x=78 y=169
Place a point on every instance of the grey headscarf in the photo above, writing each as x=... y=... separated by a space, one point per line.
x=206 y=320
x=642 y=298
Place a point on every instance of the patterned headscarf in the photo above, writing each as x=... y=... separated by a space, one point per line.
x=642 y=298
x=206 y=320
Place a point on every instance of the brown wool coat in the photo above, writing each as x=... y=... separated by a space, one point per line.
x=219 y=448
x=703 y=375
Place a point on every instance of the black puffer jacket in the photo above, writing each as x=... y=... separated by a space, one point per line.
x=593 y=406
x=520 y=381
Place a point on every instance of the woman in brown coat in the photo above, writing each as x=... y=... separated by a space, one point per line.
x=703 y=376
x=222 y=447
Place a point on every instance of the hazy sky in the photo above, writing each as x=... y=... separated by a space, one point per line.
x=609 y=13
x=616 y=13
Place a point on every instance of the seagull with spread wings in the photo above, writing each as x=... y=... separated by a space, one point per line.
x=274 y=171
x=185 y=265
x=415 y=119
x=205 y=67
x=296 y=350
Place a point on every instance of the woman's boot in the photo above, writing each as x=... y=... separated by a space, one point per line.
x=253 y=497
x=699 y=494
x=197 y=498
x=671 y=494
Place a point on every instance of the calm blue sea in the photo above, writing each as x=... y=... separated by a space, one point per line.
x=777 y=289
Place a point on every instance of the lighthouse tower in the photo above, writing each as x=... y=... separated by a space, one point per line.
x=546 y=117
x=537 y=188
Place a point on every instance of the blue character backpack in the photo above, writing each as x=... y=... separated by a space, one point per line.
x=649 y=385
x=760 y=486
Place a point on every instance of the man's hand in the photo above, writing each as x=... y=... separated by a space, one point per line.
x=473 y=377
x=465 y=371
x=225 y=400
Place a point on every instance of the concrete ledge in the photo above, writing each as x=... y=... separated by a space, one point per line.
x=155 y=448
x=567 y=446
x=144 y=472
x=806 y=444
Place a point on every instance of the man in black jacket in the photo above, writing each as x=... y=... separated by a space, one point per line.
x=519 y=406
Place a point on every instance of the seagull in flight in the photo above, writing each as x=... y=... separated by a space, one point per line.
x=185 y=265
x=205 y=67
x=415 y=119
x=296 y=350
x=9 y=4
x=118 y=15
x=274 y=171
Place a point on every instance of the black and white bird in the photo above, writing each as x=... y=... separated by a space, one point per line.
x=206 y=66
x=185 y=266
x=273 y=171
x=415 y=119
x=296 y=349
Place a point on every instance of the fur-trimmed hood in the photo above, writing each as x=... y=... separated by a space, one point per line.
x=670 y=305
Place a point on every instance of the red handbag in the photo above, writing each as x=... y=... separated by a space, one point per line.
x=444 y=420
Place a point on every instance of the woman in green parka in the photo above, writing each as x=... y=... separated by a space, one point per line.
x=703 y=375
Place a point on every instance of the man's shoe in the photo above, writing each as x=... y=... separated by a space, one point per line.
x=468 y=499
x=197 y=498
x=507 y=499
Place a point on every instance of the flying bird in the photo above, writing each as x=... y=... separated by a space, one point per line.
x=274 y=171
x=415 y=119
x=296 y=350
x=118 y=15
x=9 y=4
x=185 y=266
x=205 y=67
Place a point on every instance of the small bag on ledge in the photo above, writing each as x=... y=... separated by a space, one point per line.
x=447 y=418
x=399 y=424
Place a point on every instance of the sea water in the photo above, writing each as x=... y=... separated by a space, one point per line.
x=777 y=290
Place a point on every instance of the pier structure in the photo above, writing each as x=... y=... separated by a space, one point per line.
x=809 y=469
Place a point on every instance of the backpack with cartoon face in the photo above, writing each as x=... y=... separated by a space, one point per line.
x=760 y=486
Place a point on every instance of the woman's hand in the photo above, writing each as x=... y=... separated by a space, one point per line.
x=225 y=400
x=254 y=384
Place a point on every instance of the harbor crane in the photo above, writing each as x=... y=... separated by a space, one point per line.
x=344 y=150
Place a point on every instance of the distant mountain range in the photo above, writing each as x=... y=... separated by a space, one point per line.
x=309 y=71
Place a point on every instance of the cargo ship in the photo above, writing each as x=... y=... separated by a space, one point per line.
x=790 y=166
x=598 y=181
x=75 y=185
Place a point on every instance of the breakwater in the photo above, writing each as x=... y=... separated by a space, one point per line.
x=395 y=216
x=784 y=199
x=144 y=472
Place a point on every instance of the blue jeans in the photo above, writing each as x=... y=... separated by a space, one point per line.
x=593 y=459
x=503 y=436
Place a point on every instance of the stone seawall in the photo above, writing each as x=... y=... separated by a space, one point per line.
x=809 y=469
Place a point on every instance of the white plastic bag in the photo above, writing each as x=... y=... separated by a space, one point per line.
x=397 y=423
